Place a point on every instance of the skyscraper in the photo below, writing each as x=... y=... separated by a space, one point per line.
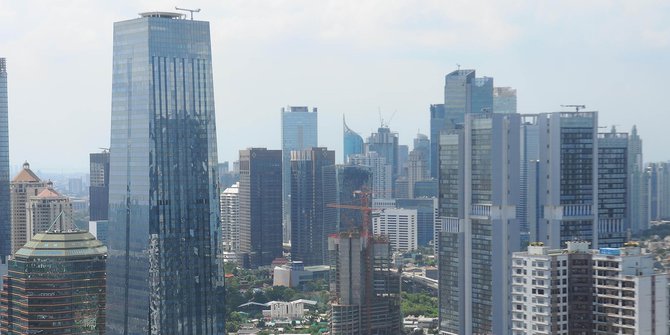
x=638 y=184
x=230 y=218
x=659 y=190
x=98 y=190
x=48 y=207
x=385 y=143
x=163 y=188
x=353 y=143
x=260 y=206
x=24 y=185
x=309 y=234
x=478 y=198
x=613 y=189
x=298 y=132
x=504 y=100
x=56 y=285
x=382 y=173
x=5 y=220
x=437 y=114
x=345 y=185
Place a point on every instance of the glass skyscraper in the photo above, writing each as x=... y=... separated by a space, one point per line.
x=298 y=132
x=353 y=143
x=163 y=275
x=5 y=224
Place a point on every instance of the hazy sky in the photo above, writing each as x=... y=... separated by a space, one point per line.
x=353 y=57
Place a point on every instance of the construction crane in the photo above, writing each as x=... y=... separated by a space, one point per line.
x=576 y=107
x=188 y=10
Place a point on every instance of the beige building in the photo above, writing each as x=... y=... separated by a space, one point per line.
x=24 y=185
x=46 y=207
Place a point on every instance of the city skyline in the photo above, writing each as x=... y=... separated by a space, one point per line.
x=344 y=58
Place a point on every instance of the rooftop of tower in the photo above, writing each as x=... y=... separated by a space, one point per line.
x=72 y=243
x=165 y=15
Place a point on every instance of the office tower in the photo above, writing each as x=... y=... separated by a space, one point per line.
x=437 y=114
x=353 y=143
x=426 y=188
x=416 y=170
x=581 y=291
x=659 y=190
x=298 y=132
x=55 y=285
x=230 y=218
x=345 y=185
x=366 y=292
x=399 y=226
x=422 y=145
x=403 y=156
x=385 y=143
x=309 y=234
x=164 y=275
x=47 y=208
x=567 y=175
x=401 y=187
x=260 y=206
x=98 y=191
x=427 y=217
x=527 y=212
x=637 y=184
x=613 y=189
x=478 y=198
x=504 y=100
x=24 y=185
x=382 y=173
x=5 y=204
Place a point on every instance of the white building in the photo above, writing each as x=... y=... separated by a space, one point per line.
x=230 y=218
x=399 y=225
x=578 y=290
x=287 y=310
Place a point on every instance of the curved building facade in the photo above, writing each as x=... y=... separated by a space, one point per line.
x=56 y=285
x=353 y=143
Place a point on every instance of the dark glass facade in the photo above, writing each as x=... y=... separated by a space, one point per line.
x=345 y=185
x=163 y=190
x=260 y=197
x=353 y=143
x=613 y=189
x=309 y=239
x=55 y=285
x=98 y=191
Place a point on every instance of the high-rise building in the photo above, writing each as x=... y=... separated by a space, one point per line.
x=24 y=185
x=347 y=185
x=55 y=285
x=403 y=157
x=416 y=170
x=427 y=217
x=422 y=145
x=437 y=114
x=567 y=175
x=164 y=228
x=260 y=197
x=230 y=218
x=478 y=198
x=353 y=143
x=399 y=226
x=528 y=212
x=659 y=190
x=366 y=292
x=504 y=100
x=309 y=233
x=5 y=203
x=298 y=132
x=46 y=208
x=385 y=143
x=581 y=291
x=98 y=190
x=382 y=173
x=613 y=189
x=638 y=185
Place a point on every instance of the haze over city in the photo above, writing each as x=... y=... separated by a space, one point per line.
x=343 y=57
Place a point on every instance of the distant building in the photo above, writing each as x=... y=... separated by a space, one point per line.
x=366 y=292
x=613 y=189
x=417 y=170
x=47 y=208
x=23 y=186
x=581 y=291
x=298 y=132
x=260 y=227
x=348 y=185
x=230 y=218
x=504 y=100
x=401 y=187
x=403 y=157
x=309 y=231
x=75 y=186
x=427 y=217
x=99 y=186
x=659 y=190
x=5 y=203
x=296 y=274
x=638 y=184
x=45 y=275
x=353 y=143
x=399 y=226
x=382 y=173
x=385 y=144
x=228 y=177
x=426 y=189
x=287 y=310
x=437 y=116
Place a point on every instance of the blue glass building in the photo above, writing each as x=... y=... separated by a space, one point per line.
x=298 y=132
x=5 y=224
x=163 y=276
x=353 y=143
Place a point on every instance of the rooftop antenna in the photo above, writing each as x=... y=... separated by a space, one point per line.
x=188 y=10
x=576 y=107
x=458 y=66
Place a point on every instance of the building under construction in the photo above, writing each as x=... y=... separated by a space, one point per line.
x=365 y=293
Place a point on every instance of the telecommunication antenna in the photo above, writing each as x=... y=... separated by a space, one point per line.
x=576 y=107
x=188 y=10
